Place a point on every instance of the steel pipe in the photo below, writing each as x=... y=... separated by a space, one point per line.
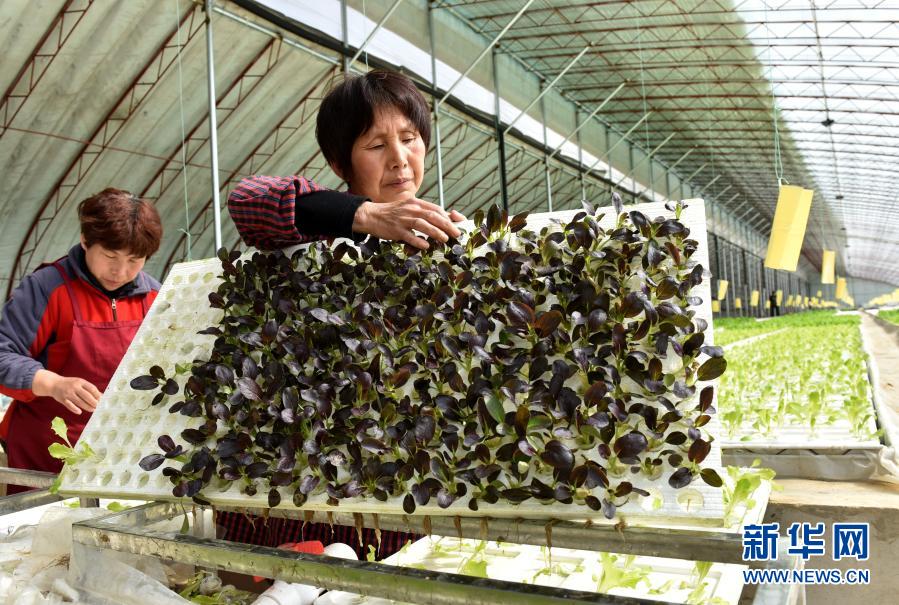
x=26 y=500
x=213 y=130
x=373 y=32
x=487 y=50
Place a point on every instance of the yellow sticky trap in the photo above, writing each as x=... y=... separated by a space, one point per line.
x=738 y=303
x=754 y=298
x=828 y=262
x=722 y=288
x=790 y=300
x=819 y=294
x=767 y=304
x=841 y=288
x=788 y=229
x=780 y=297
x=716 y=306
x=805 y=301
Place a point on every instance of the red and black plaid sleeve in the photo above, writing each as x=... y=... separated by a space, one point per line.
x=275 y=212
x=263 y=209
x=272 y=532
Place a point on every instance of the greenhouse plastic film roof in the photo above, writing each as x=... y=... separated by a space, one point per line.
x=98 y=92
x=709 y=71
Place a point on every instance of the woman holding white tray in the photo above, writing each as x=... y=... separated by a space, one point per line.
x=374 y=132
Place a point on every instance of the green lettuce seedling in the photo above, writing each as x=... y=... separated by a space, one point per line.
x=65 y=452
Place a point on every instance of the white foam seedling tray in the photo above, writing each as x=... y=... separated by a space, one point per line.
x=835 y=436
x=125 y=426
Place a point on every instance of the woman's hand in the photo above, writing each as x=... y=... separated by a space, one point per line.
x=396 y=221
x=75 y=394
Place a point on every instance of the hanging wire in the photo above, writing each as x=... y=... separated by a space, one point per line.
x=828 y=122
x=186 y=229
x=715 y=209
x=365 y=20
x=778 y=157
x=643 y=82
x=708 y=126
x=645 y=110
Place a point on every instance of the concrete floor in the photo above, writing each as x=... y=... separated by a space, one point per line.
x=882 y=341
x=877 y=503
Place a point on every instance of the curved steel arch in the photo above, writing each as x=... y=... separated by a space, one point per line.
x=109 y=126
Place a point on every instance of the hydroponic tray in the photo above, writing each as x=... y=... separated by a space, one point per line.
x=830 y=452
x=670 y=580
x=570 y=567
x=10 y=522
x=125 y=426
x=151 y=529
x=844 y=446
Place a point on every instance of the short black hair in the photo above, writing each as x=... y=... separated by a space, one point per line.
x=348 y=111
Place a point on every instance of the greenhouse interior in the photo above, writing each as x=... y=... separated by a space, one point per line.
x=449 y=301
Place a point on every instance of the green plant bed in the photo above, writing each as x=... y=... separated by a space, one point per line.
x=813 y=319
x=730 y=336
x=891 y=316
x=737 y=323
x=733 y=329
x=729 y=330
x=808 y=382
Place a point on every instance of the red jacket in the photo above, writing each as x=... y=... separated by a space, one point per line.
x=36 y=323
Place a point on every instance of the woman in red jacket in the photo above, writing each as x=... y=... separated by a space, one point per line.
x=374 y=132
x=68 y=325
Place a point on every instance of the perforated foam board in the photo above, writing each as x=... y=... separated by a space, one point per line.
x=831 y=437
x=125 y=426
x=831 y=452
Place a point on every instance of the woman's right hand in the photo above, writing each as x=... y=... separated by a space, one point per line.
x=75 y=394
x=397 y=220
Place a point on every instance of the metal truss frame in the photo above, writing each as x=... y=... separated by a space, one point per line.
x=707 y=71
x=127 y=105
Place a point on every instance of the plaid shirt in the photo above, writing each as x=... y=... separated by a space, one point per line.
x=263 y=209
x=272 y=532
